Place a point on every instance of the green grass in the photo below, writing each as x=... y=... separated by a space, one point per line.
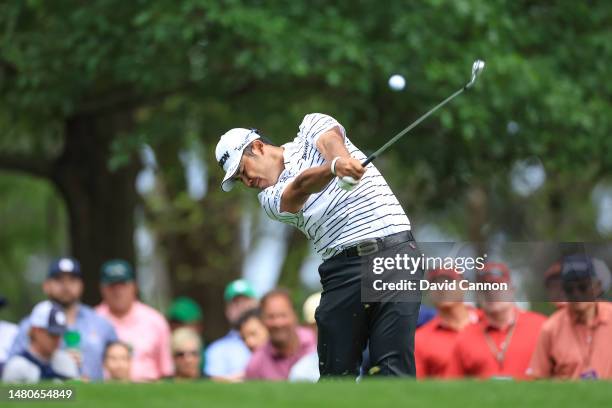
x=379 y=393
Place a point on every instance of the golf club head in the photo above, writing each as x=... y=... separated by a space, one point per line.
x=477 y=68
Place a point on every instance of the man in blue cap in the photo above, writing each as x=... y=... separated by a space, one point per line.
x=87 y=332
x=42 y=360
x=575 y=341
x=227 y=358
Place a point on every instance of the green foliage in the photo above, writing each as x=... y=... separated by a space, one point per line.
x=33 y=223
x=545 y=68
x=197 y=67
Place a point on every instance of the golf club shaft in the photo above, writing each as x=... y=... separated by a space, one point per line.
x=409 y=128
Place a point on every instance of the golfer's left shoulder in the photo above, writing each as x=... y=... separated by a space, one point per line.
x=316 y=117
x=315 y=124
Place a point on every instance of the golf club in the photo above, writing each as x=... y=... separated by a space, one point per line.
x=477 y=68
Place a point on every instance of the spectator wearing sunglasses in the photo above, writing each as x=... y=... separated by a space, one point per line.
x=187 y=354
x=575 y=341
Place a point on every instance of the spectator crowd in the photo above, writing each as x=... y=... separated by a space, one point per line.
x=122 y=339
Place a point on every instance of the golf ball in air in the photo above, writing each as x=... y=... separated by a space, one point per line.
x=397 y=82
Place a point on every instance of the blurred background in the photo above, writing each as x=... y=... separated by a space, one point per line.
x=110 y=111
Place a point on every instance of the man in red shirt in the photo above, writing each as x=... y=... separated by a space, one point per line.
x=501 y=344
x=435 y=340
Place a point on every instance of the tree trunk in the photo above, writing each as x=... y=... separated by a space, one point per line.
x=204 y=257
x=100 y=201
x=477 y=212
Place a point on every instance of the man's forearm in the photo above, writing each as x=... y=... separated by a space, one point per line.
x=314 y=179
x=331 y=144
x=308 y=182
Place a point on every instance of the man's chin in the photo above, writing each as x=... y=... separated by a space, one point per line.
x=279 y=341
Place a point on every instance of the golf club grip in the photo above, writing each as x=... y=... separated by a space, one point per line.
x=368 y=160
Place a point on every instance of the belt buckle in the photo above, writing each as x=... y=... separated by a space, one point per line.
x=367 y=247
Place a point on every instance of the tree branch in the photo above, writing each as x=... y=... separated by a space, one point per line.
x=122 y=99
x=35 y=166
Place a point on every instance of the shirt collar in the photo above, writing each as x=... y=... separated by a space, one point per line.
x=604 y=313
x=233 y=334
x=288 y=148
x=81 y=311
x=129 y=315
x=31 y=355
x=488 y=326
x=276 y=354
x=603 y=316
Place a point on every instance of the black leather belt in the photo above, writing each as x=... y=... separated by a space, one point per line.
x=371 y=246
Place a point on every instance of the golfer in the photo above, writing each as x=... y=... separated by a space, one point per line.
x=298 y=186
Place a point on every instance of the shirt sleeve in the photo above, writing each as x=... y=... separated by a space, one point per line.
x=270 y=200
x=315 y=124
x=165 y=363
x=21 y=341
x=111 y=334
x=541 y=364
x=215 y=365
x=20 y=370
x=63 y=364
x=252 y=372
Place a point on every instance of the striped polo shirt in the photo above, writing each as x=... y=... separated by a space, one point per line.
x=334 y=219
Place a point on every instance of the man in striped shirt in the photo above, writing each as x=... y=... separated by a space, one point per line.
x=298 y=187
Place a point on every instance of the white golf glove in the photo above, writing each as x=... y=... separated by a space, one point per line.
x=346 y=183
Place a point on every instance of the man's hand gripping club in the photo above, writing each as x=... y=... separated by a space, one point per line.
x=348 y=172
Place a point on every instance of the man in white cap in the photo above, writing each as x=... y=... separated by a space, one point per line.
x=42 y=360
x=88 y=333
x=347 y=220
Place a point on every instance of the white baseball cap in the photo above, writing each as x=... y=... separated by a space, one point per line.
x=229 y=152
x=50 y=316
